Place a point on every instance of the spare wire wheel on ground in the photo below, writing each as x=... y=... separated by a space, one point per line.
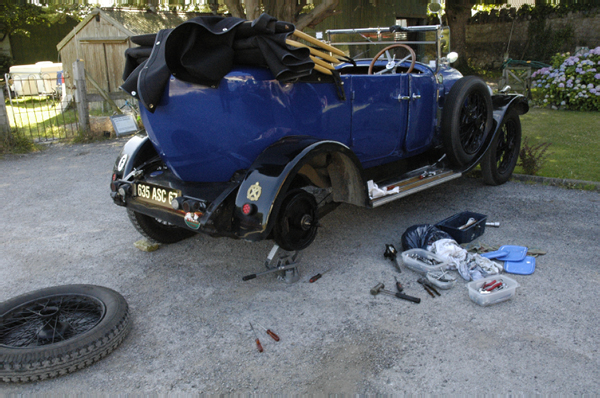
x=58 y=330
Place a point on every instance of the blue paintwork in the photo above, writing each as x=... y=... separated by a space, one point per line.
x=207 y=134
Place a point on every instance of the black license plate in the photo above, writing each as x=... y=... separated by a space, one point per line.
x=154 y=194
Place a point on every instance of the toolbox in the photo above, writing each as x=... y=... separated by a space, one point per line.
x=452 y=225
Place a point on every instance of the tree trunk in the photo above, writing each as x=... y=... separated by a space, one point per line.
x=235 y=8
x=283 y=10
x=253 y=10
x=318 y=14
x=458 y=13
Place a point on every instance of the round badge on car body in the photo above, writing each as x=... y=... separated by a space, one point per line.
x=122 y=162
x=254 y=192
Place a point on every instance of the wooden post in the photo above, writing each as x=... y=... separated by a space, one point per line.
x=81 y=95
x=4 y=124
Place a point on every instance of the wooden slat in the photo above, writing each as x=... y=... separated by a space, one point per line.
x=322 y=63
x=313 y=51
x=117 y=39
x=322 y=70
x=319 y=43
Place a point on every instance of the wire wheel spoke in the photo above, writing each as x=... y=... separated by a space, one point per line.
x=50 y=320
x=472 y=123
x=505 y=152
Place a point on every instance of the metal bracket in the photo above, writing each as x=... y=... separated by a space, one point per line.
x=286 y=263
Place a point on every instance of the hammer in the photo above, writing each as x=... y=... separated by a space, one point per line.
x=379 y=289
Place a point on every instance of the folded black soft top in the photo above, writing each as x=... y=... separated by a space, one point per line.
x=204 y=49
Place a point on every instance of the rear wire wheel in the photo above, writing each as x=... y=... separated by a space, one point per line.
x=498 y=163
x=58 y=330
x=297 y=221
x=158 y=230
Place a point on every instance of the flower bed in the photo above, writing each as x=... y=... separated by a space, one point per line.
x=572 y=82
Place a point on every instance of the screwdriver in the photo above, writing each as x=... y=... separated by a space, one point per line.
x=318 y=276
x=269 y=332
x=401 y=294
x=398 y=285
x=258 y=345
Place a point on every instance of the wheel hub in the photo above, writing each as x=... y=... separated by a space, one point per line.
x=296 y=225
x=306 y=222
x=53 y=329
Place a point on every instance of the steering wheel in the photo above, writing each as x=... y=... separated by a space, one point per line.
x=392 y=65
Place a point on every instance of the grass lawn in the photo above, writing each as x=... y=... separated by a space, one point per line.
x=41 y=119
x=575 y=139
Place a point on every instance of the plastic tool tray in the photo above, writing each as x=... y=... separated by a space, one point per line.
x=485 y=299
x=423 y=261
x=452 y=225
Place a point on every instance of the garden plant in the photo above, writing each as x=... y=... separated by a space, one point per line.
x=572 y=82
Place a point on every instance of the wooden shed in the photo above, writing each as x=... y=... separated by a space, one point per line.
x=101 y=39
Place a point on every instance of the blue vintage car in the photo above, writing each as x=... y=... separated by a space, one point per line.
x=254 y=151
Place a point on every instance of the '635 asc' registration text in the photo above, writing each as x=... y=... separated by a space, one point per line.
x=155 y=194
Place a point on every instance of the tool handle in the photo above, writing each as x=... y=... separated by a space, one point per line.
x=494 y=286
x=399 y=287
x=409 y=298
x=315 y=278
x=273 y=335
x=248 y=277
x=429 y=291
x=259 y=346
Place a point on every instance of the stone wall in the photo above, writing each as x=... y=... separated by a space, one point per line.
x=487 y=43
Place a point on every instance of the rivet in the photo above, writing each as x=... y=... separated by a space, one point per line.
x=224 y=29
x=133 y=93
x=157 y=43
x=151 y=106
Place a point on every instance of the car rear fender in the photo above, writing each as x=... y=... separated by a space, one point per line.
x=136 y=151
x=501 y=104
x=291 y=163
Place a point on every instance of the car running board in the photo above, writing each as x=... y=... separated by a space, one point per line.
x=414 y=184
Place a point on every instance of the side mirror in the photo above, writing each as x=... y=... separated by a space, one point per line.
x=452 y=57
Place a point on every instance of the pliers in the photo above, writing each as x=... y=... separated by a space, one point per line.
x=428 y=286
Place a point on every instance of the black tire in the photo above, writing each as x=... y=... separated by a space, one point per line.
x=499 y=161
x=156 y=229
x=58 y=330
x=297 y=221
x=466 y=119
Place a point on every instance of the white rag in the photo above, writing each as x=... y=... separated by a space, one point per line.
x=469 y=265
x=376 y=192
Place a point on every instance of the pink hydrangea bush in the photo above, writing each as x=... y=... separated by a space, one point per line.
x=572 y=82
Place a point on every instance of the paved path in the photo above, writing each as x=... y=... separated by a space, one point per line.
x=191 y=310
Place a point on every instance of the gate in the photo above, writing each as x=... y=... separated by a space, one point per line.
x=38 y=108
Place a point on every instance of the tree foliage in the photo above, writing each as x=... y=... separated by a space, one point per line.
x=18 y=18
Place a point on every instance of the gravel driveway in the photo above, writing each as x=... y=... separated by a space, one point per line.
x=191 y=309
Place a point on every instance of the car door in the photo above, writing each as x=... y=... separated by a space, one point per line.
x=421 y=114
x=379 y=117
